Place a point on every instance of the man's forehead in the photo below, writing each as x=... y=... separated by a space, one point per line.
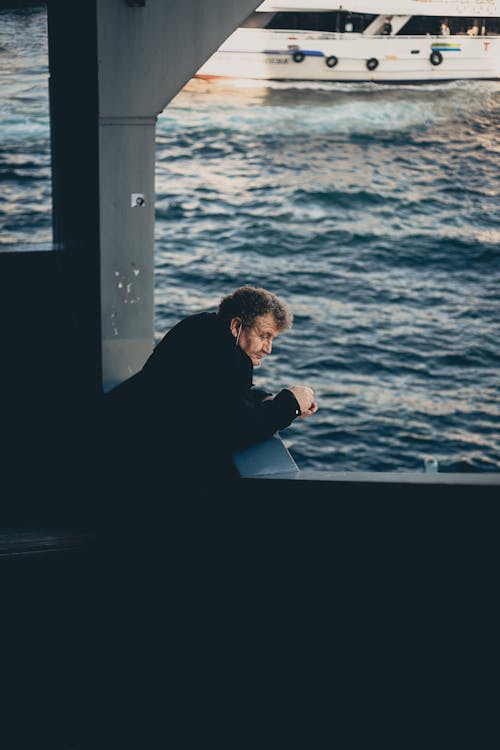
x=267 y=322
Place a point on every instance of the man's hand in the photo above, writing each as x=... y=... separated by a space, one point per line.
x=305 y=398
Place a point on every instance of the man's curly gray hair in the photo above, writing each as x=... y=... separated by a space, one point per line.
x=250 y=302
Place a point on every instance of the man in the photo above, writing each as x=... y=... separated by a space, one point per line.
x=193 y=404
x=387 y=27
x=444 y=29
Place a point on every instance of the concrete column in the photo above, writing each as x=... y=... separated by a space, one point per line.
x=127 y=162
x=146 y=54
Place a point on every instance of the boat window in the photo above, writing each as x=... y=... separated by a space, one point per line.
x=257 y=20
x=421 y=25
x=356 y=22
x=303 y=21
x=489 y=26
x=324 y=21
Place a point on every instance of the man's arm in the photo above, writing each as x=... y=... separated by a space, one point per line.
x=251 y=420
x=257 y=395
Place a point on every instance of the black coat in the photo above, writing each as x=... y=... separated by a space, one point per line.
x=193 y=404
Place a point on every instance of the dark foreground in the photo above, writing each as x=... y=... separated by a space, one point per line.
x=270 y=612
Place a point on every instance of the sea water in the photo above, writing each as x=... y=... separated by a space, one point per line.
x=372 y=210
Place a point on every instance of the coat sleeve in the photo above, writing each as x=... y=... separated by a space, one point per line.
x=257 y=395
x=253 y=420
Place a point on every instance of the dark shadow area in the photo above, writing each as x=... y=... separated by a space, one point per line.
x=48 y=427
x=259 y=611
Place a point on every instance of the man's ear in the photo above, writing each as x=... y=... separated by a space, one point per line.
x=235 y=326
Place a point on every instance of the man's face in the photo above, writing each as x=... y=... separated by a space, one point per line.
x=257 y=340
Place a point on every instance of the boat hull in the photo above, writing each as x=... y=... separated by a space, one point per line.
x=289 y=56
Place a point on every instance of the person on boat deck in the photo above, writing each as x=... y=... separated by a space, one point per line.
x=193 y=403
x=387 y=27
x=444 y=29
x=474 y=29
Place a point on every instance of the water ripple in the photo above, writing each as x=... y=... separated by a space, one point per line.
x=372 y=209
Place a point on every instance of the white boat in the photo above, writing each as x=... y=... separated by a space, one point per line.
x=387 y=41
